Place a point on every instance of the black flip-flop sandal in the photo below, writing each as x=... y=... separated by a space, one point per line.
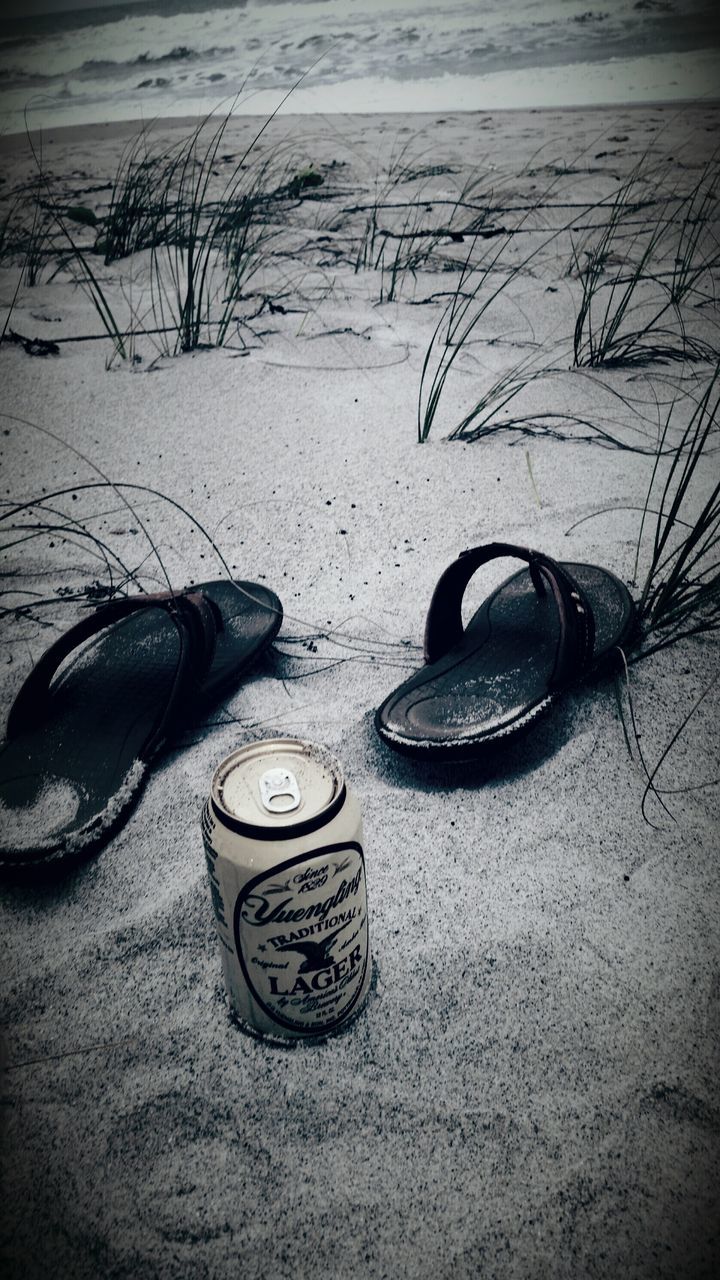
x=137 y=670
x=540 y=632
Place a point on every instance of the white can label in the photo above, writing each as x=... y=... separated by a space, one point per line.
x=301 y=933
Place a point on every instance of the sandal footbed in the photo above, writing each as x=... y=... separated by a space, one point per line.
x=498 y=679
x=64 y=785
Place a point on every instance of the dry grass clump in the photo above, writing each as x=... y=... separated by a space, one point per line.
x=680 y=595
x=486 y=273
x=652 y=263
x=81 y=518
x=679 y=540
x=26 y=228
x=192 y=222
x=645 y=262
x=205 y=250
x=136 y=218
x=408 y=220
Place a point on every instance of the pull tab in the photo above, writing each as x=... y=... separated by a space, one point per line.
x=279 y=791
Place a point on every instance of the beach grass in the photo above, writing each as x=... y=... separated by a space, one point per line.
x=200 y=246
x=646 y=266
x=26 y=233
x=67 y=221
x=654 y=258
x=680 y=595
x=137 y=217
x=482 y=278
x=192 y=232
x=401 y=163
x=52 y=518
x=408 y=221
x=508 y=389
x=677 y=560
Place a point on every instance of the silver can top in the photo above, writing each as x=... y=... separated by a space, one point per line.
x=277 y=788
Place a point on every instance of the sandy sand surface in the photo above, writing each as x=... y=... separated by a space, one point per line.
x=532 y=1089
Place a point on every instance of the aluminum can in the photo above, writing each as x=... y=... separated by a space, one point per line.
x=283 y=842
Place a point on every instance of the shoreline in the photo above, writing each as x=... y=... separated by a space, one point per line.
x=693 y=75
x=112 y=130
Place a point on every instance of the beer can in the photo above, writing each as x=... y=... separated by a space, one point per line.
x=283 y=842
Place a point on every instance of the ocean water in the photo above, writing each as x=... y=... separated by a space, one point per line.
x=186 y=57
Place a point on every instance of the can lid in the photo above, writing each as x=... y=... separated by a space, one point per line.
x=277 y=788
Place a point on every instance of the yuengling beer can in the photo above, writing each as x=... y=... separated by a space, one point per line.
x=283 y=841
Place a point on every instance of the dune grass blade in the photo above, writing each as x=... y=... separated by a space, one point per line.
x=66 y=526
x=638 y=433
x=462 y=314
x=137 y=216
x=203 y=251
x=415 y=221
x=86 y=278
x=650 y=788
x=479 y=285
x=638 y=313
x=681 y=591
x=406 y=251
x=206 y=250
x=104 y=482
x=119 y=487
x=399 y=167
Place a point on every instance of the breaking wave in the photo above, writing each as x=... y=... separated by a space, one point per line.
x=129 y=60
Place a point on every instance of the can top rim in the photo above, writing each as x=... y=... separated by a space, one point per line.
x=238 y=793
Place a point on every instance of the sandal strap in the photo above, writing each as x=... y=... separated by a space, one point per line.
x=197 y=620
x=444 y=627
